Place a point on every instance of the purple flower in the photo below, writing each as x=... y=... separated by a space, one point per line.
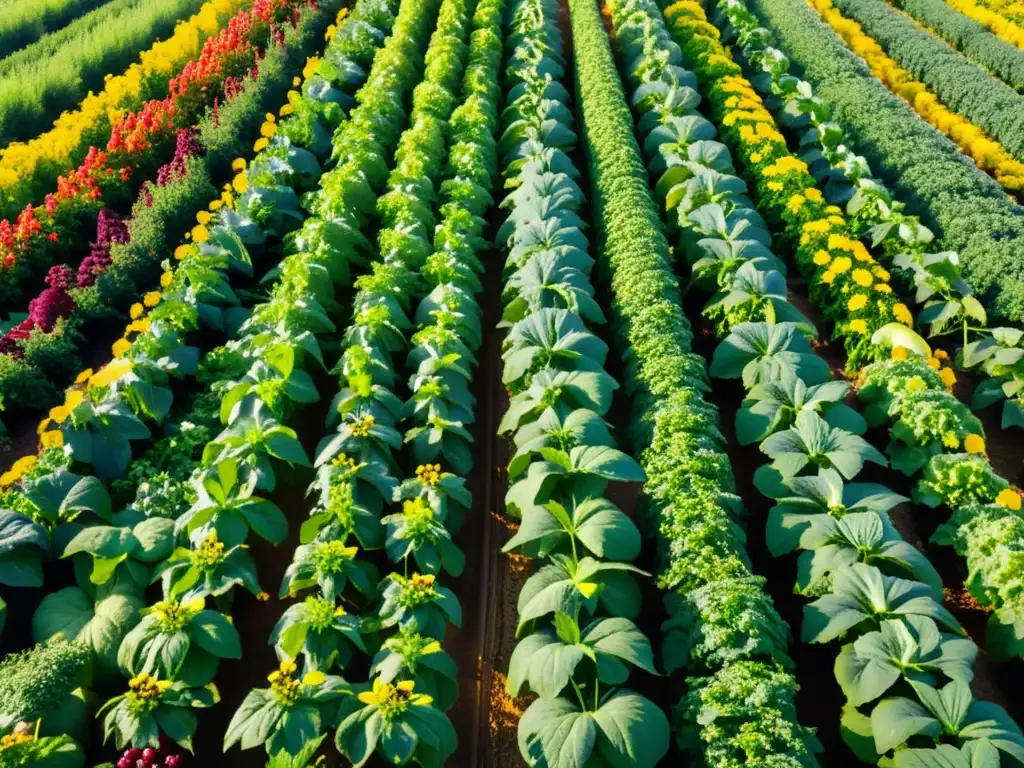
x=110 y=228
x=187 y=145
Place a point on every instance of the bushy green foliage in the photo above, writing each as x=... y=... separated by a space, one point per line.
x=25 y=21
x=725 y=621
x=33 y=682
x=55 y=354
x=967 y=209
x=747 y=719
x=52 y=75
x=989 y=103
x=971 y=38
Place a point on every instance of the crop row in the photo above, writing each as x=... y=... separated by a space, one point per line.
x=992 y=105
x=124 y=256
x=400 y=713
x=40 y=354
x=928 y=275
x=578 y=643
x=192 y=472
x=874 y=591
x=113 y=173
x=723 y=630
x=29 y=170
x=987 y=50
x=1000 y=26
x=928 y=426
x=53 y=74
x=25 y=21
x=953 y=197
x=1007 y=13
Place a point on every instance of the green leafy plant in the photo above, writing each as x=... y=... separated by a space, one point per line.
x=179 y=641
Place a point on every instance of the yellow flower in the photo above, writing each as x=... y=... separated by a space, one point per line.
x=269 y=116
x=83 y=376
x=841 y=264
x=861 y=277
x=796 y=202
x=203 y=217
x=151 y=299
x=941 y=354
x=53 y=438
x=775 y=186
x=902 y=314
x=200 y=233
x=883 y=288
x=240 y=183
x=120 y=347
x=285 y=110
x=974 y=444
x=296 y=81
x=227 y=198
x=267 y=130
x=165 y=279
x=948 y=377
x=238 y=164
x=216 y=204
x=950 y=440
x=821 y=258
x=813 y=194
x=58 y=413
x=110 y=373
x=828 y=277
x=182 y=251
x=899 y=353
x=859 y=326
x=880 y=273
x=135 y=311
x=856 y=302
x=73 y=398
x=1009 y=498
x=261 y=144
x=934 y=363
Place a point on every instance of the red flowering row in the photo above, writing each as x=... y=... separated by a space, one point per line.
x=44 y=235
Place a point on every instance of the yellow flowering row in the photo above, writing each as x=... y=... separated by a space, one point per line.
x=853 y=288
x=20 y=161
x=992 y=20
x=48 y=430
x=986 y=152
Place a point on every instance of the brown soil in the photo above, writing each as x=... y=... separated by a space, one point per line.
x=485 y=717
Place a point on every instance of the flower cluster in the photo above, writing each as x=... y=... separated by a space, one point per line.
x=988 y=153
x=853 y=287
x=429 y=474
x=44 y=311
x=392 y=700
x=417 y=590
x=37 y=231
x=144 y=693
x=331 y=556
x=110 y=228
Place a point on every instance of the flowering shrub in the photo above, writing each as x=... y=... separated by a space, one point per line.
x=108 y=175
x=26 y=170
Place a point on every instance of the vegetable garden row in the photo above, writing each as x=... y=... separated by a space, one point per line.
x=692 y=331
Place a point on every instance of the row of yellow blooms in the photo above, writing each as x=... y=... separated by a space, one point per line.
x=856 y=284
x=49 y=435
x=57 y=147
x=988 y=153
x=994 y=22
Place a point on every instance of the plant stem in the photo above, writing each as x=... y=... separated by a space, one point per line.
x=579 y=694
